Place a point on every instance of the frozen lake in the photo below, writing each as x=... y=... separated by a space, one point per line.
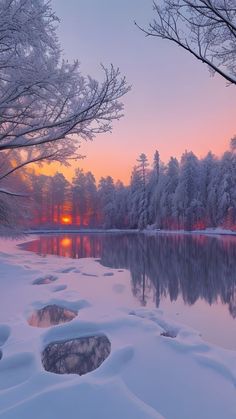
x=192 y=278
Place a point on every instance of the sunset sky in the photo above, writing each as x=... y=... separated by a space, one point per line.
x=174 y=104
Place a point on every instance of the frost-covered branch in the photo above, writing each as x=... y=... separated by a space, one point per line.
x=10 y=193
x=44 y=99
x=46 y=105
x=204 y=28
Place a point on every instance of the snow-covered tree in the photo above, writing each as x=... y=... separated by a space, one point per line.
x=168 y=192
x=186 y=200
x=208 y=188
x=156 y=164
x=106 y=197
x=156 y=189
x=195 y=193
x=121 y=205
x=84 y=198
x=41 y=196
x=59 y=193
x=143 y=199
x=13 y=211
x=226 y=189
x=134 y=196
x=79 y=206
x=46 y=105
x=152 y=186
x=204 y=28
x=91 y=199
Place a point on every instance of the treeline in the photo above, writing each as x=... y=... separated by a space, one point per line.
x=188 y=194
x=191 y=193
x=79 y=203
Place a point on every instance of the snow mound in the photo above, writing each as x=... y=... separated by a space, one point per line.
x=5 y=331
x=16 y=369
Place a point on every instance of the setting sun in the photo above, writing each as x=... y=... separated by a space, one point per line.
x=66 y=219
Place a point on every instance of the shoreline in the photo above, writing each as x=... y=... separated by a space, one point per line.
x=210 y=232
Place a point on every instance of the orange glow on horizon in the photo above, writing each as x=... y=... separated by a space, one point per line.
x=66 y=219
x=119 y=166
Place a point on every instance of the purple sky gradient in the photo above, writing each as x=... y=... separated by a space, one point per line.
x=174 y=104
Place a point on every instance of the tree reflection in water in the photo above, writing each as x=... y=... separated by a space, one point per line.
x=192 y=266
x=70 y=245
x=51 y=315
x=76 y=356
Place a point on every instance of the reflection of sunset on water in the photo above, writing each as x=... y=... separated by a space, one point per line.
x=51 y=315
x=75 y=246
x=66 y=242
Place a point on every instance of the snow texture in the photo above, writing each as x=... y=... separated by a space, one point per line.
x=156 y=368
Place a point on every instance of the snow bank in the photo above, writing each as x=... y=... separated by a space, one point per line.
x=218 y=231
x=147 y=374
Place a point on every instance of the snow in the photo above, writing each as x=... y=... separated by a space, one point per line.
x=149 y=230
x=62 y=230
x=218 y=231
x=147 y=375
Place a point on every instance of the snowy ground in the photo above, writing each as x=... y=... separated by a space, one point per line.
x=147 y=375
x=218 y=231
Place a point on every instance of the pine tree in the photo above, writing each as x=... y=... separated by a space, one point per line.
x=143 y=202
x=152 y=189
x=187 y=203
x=106 y=197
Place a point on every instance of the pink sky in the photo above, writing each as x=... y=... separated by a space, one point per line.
x=174 y=104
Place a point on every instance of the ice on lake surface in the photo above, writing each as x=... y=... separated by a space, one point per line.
x=51 y=315
x=76 y=356
x=191 y=277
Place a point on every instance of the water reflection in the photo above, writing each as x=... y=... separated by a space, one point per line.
x=76 y=356
x=51 y=315
x=73 y=245
x=193 y=267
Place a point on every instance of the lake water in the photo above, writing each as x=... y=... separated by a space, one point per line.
x=191 y=277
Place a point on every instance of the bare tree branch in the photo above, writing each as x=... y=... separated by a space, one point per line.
x=204 y=28
x=46 y=105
